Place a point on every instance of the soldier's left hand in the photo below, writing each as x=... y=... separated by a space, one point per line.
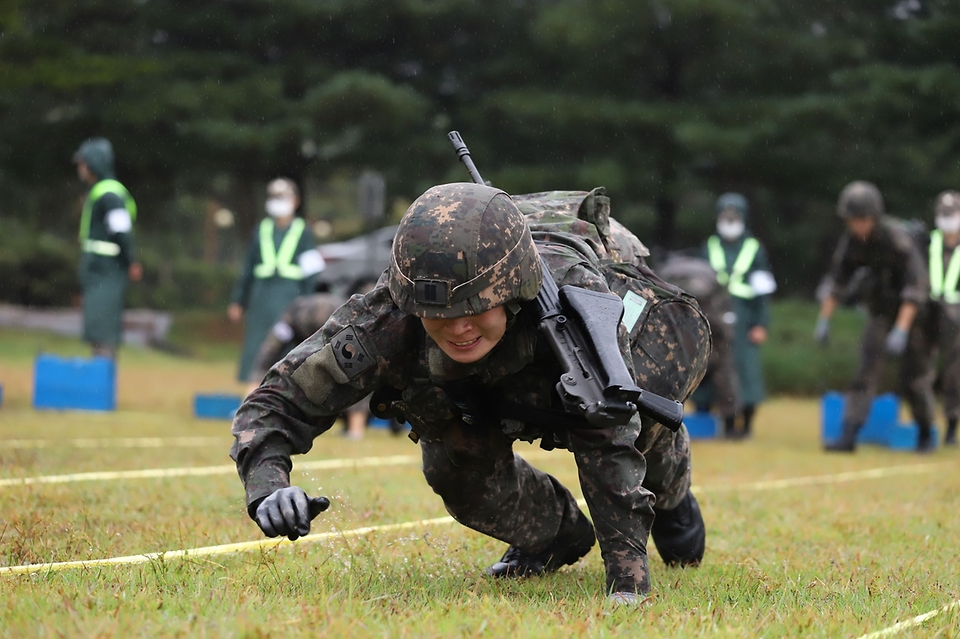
x=896 y=341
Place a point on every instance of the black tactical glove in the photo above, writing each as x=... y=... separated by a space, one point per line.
x=896 y=341
x=289 y=511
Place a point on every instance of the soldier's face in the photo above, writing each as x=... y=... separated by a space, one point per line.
x=468 y=339
x=861 y=227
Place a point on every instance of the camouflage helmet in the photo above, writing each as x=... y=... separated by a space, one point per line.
x=948 y=203
x=735 y=202
x=462 y=249
x=860 y=199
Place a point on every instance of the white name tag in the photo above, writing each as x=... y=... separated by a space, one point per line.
x=633 y=306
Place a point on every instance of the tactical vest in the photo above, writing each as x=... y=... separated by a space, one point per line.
x=274 y=262
x=101 y=188
x=733 y=279
x=943 y=285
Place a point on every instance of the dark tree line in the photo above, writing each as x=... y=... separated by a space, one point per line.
x=667 y=104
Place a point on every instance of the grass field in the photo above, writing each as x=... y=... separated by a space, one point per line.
x=839 y=551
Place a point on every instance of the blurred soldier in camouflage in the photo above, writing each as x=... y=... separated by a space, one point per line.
x=742 y=266
x=719 y=386
x=108 y=258
x=894 y=292
x=942 y=320
x=302 y=318
x=445 y=340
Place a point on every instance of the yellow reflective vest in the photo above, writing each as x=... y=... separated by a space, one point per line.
x=279 y=262
x=733 y=278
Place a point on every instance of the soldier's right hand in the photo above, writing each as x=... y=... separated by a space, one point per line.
x=289 y=511
x=822 y=332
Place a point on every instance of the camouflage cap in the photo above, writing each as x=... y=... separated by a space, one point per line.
x=948 y=203
x=462 y=249
x=860 y=199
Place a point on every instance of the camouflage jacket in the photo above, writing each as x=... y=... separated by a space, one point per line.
x=369 y=345
x=897 y=270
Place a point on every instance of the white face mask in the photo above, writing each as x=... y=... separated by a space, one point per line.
x=280 y=207
x=730 y=229
x=949 y=223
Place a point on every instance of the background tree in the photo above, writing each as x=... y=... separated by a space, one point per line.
x=667 y=104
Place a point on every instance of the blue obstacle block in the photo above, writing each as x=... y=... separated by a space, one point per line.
x=376 y=422
x=215 y=405
x=884 y=416
x=884 y=412
x=905 y=436
x=701 y=425
x=1 y=394
x=74 y=383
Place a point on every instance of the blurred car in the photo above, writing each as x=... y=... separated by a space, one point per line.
x=357 y=262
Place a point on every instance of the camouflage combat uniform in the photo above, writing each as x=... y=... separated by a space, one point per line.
x=466 y=417
x=897 y=275
x=697 y=277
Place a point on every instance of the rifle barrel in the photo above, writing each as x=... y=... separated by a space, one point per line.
x=464 y=154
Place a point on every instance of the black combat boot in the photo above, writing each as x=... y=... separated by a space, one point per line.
x=730 y=427
x=924 y=439
x=748 y=413
x=567 y=548
x=950 y=439
x=847 y=442
x=679 y=534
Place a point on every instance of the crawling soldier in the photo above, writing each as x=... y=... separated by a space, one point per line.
x=446 y=340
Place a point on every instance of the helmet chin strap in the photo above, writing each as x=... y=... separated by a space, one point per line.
x=512 y=309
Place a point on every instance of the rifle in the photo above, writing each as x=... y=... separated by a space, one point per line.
x=581 y=328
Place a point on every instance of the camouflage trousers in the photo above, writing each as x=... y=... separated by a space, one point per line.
x=916 y=375
x=940 y=340
x=622 y=473
x=719 y=388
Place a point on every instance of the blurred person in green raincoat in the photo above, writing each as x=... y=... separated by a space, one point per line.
x=741 y=263
x=282 y=263
x=107 y=257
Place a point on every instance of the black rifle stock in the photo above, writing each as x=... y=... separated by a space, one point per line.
x=595 y=382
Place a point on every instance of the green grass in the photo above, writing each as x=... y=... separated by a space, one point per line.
x=832 y=560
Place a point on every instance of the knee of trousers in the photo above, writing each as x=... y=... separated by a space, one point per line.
x=451 y=480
